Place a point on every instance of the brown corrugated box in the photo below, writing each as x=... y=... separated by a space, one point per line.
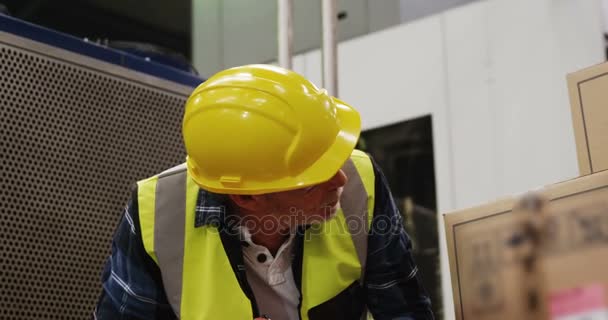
x=589 y=102
x=489 y=269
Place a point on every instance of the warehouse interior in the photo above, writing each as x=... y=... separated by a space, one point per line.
x=487 y=118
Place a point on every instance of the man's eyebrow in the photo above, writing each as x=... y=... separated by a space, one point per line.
x=310 y=187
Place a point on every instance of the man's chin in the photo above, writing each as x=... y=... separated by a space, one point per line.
x=331 y=213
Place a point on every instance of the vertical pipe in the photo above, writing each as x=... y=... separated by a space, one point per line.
x=330 y=48
x=285 y=33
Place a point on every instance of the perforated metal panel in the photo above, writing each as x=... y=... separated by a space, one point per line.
x=74 y=137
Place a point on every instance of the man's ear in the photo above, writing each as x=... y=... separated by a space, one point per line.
x=247 y=202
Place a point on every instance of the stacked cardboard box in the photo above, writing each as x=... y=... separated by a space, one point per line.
x=502 y=270
x=589 y=101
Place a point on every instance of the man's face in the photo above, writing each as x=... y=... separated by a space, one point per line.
x=307 y=205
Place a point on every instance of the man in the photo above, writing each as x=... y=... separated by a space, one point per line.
x=273 y=215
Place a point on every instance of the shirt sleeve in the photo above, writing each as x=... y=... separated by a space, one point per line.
x=393 y=285
x=131 y=281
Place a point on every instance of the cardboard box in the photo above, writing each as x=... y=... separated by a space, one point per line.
x=588 y=90
x=490 y=271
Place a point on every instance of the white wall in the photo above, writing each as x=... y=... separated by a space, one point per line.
x=492 y=75
x=605 y=12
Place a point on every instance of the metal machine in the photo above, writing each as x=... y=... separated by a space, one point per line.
x=79 y=124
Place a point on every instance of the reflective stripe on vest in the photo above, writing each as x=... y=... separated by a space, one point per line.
x=197 y=276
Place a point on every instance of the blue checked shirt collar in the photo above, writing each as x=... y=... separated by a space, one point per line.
x=210 y=209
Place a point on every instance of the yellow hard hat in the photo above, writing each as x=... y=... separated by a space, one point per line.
x=259 y=129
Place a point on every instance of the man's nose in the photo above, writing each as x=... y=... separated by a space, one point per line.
x=338 y=180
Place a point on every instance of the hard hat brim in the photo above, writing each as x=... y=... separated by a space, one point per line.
x=325 y=167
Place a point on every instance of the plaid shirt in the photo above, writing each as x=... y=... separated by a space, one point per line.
x=132 y=285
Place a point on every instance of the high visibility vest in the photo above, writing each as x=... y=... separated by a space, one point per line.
x=197 y=276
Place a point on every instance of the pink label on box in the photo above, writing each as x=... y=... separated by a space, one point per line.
x=577 y=300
